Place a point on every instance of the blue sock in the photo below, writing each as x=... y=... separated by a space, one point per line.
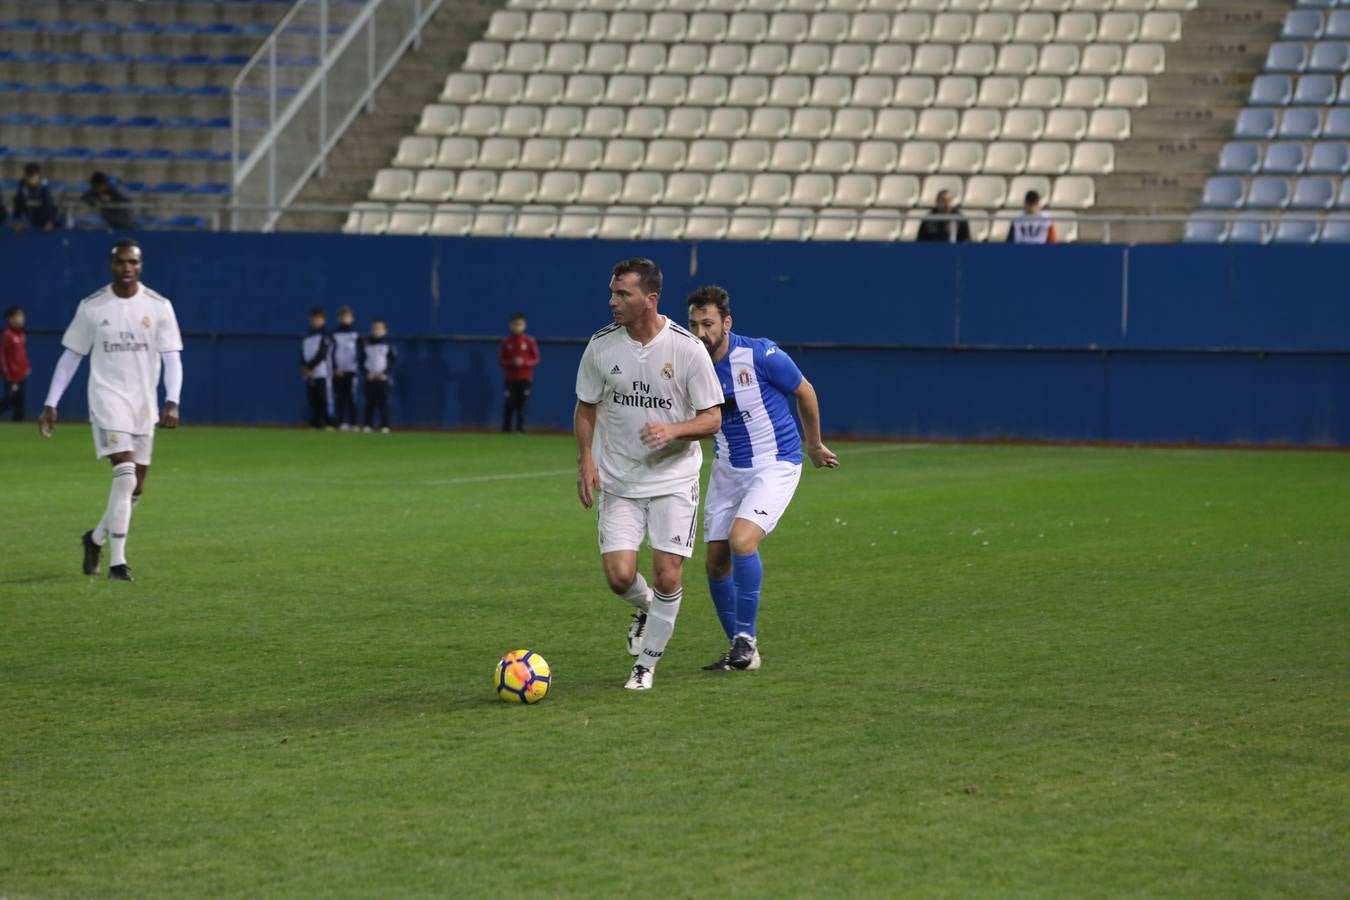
x=748 y=574
x=724 y=599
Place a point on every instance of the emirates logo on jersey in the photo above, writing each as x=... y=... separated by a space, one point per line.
x=744 y=378
x=668 y=371
x=145 y=321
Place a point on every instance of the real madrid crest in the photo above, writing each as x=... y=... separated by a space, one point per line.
x=668 y=371
x=145 y=321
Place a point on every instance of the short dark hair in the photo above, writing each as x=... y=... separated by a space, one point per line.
x=344 y=308
x=317 y=311
x=712 y=295
x=1032 y=197
x=124 y=244
x=11 y=310
x=516 y=315
x=375 y=322
x=648 y=273
x=98 y=179
x=31 y=168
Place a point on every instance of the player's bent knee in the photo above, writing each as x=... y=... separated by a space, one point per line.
x=745 y=538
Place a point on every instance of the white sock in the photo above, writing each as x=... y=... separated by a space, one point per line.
x=660 y=626
x=638 y=594
x=118 y=516
x=100 y=535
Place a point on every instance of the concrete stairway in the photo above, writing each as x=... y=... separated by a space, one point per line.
x=371 y=141
x=1192 y=109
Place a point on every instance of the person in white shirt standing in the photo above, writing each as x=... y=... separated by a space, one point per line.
x=646 y=393
x=129 y=333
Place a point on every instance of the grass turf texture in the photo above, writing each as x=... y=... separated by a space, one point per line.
x=989 y=671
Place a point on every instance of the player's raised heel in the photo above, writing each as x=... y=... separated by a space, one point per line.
x=635 y=630
x=640 y=679
x=120 y=573
x=744 y=654
x=92 y=552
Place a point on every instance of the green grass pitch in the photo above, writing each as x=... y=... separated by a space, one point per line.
x=988 y=672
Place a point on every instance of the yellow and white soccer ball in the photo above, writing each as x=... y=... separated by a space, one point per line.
x=522 y=676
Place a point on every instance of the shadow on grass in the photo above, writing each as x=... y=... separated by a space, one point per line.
x=35 y=579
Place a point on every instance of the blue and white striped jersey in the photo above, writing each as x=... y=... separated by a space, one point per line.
x=758 y=380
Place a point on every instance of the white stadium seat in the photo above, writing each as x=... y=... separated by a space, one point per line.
x=433 y=186
x=416 y=152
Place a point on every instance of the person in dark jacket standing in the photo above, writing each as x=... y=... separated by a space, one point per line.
x=939 y=226
x=346 y=348
x=517 y=355
x=377 y=359
x=33 y=203
x=14 y=366
x=316 y=364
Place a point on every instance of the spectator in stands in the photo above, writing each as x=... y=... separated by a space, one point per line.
x=1033 y=226
x=945 y=223
x=33 y=203
x=104 y=196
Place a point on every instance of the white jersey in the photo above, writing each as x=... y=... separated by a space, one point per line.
x=668 y=380
x=123 y=339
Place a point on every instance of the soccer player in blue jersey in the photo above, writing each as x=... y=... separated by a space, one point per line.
x=758 y=464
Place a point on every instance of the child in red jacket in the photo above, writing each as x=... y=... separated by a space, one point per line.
x=517 y=355
x=14 y=366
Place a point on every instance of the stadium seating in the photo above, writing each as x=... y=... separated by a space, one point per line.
x=139 y=90
x=777 y=119
x=1291 y=147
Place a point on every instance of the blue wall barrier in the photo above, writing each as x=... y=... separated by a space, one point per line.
x=1211 y=344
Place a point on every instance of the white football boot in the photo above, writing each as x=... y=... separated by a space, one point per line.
x=640 y=679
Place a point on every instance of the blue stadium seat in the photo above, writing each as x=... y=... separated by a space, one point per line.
x=114 y=153
x=101 y=121
x=1337 y=124
x=1343 y=98
x=1338 y=25
x=1255 y=124
x=142 y=122
x=1240 y=159
x=74 y=153
x=1303 y=25
x=1249 y=231
x=1271 y=90
x=1336 y=229
x=1296 y=231
x=1285 y=158
x=1316 y=90
x=1301 y=124
x=1316 y=4
x=212 y=188
x=1330 y=56
x=1223 y=193
x=1203 y=231
x=1314 y=193
x=1329 y=158
x=171 y=187
x=1287 y=56
x=1268 y=192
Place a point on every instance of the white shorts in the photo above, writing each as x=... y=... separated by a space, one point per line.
x=669 y=522
x=106 y=443
x=757 y=495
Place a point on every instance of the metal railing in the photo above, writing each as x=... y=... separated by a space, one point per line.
x=294 y=99
x=675 y=224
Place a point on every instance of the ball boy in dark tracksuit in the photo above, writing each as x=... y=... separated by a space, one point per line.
x=377 y=361
x=316 y=365
x=346 y=341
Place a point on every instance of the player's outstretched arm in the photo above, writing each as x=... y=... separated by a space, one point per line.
x=656 y=435
x=66 y=367
x=808 y=407
x=588 y=478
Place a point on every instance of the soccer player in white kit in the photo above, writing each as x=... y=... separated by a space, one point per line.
x=758 y=465
x=128 y=332
x=646 y=393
